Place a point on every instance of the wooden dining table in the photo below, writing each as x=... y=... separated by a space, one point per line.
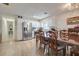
x=67 y=43
x=70 y=42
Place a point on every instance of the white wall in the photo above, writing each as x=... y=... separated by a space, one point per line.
x=48 y=22
x=61 y=19
x=0 y=28
x=0 y=25
x=19 y=28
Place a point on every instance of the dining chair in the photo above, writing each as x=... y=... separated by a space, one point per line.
x=41 y=36
x=64 y=34
x=55 y=48
x=37 y=39
x=45 y=42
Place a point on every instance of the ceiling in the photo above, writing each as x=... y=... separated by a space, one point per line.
x=32 y=10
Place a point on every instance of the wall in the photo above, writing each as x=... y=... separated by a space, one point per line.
x=48 y=23
x=61 y=19
x=19 y=29
x=0 y=24
x=0 y=28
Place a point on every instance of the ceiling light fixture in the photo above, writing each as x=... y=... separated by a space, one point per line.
x=71 y=6
x=41 y=15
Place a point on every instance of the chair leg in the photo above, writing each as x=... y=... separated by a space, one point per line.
x=44 y=47
x=48 y=51
x=56 y=53
x=36 y=43
x=51 y=51
x=45 y=50
x=40 y=44
x=71 y=53
x=64 y=51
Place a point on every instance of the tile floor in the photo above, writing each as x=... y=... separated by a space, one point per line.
x=19 y=48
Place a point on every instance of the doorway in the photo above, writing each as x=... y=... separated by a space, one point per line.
x=10 y=30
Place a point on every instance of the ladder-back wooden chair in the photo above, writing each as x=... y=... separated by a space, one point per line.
x=53 y=44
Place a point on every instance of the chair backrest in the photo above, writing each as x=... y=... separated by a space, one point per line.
x=64 y=34
x=53 y=40
x=39 y=35
x=42 y=37
x=36 y=33
x=48 y=33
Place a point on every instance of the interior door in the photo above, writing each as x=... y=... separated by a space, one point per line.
x=10 y=29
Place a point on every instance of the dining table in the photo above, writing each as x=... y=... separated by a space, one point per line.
x=69 y=43
x=61 y=41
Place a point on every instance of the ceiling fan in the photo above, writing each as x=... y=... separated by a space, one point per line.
x=71 y=6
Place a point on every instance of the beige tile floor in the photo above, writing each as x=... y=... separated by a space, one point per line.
x=19 y=48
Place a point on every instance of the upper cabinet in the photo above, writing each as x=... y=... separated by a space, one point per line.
x=73 y=20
